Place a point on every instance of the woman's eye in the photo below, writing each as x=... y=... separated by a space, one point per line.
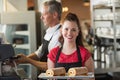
x=73 y=30
x=66 y=29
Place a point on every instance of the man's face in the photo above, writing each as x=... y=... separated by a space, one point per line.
x=46 y=16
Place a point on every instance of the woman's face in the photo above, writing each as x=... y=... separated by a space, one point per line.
x=70 y=31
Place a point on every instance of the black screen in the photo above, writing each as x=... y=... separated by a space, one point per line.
x=6 y=51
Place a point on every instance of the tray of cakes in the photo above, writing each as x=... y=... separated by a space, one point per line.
x=73 y=73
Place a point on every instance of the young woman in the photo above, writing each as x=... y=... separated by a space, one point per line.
x=71 y=53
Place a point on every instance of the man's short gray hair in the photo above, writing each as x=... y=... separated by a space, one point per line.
x=54 y=6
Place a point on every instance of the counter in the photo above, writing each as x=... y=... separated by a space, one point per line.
x=10 y=78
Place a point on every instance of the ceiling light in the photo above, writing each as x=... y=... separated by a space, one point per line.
x=65 y=9
x=86 y=2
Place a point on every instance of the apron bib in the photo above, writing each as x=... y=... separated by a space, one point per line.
x=44 y=52
x=69 y=65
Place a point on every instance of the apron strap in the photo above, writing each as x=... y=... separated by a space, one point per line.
x=54 y=32
x=58 y=54
x=79 y=54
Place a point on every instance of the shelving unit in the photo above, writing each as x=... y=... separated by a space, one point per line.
x=22 y=33
x=18 y=20
x=106 y=22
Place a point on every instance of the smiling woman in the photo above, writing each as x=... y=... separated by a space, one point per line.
x=71 y=53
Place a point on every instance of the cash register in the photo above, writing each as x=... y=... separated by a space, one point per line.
x=7 y=53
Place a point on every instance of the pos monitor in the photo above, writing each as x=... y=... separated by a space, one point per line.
x=6 y=51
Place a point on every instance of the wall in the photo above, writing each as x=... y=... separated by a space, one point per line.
x=77 y=7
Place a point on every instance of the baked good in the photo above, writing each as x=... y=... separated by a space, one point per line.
x=60 y=71
x=78 y=71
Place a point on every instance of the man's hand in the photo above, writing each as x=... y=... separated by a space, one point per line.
x=22 y=59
